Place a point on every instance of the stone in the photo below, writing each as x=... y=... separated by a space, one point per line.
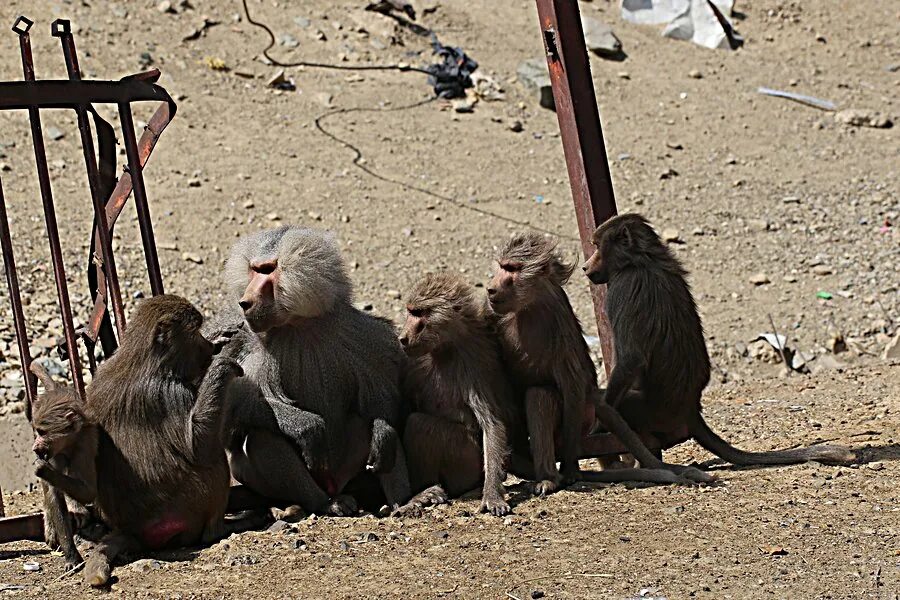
x=191 y=257
x=758 y=224
x=822 y=270
x=515 y=125
x=862 y=118
x=671 y=235
x=695 y=74
x=668 y=174
x=249 y=204
x=278 y=526
x=54 y=133
x=600 y=39
x=273 y=216
x=463 y=105
x=759 y=279
x=288 y=41
x=165 y=7
x=395 y=294
x=892 y=349
x=533 y=74
x=5 y=167
x=145 y=565
x=194 y=183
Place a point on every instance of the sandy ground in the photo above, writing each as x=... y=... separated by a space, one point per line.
x=763 y=187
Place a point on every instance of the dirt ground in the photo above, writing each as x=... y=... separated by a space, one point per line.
x=759 y=190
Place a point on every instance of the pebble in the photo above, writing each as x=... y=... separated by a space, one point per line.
x=5 y=167
x=369 y=536
x=534 y=75
x=288 y=41
x=695 y=74
x=194 y=183
x=862 y=118
x=249 y=204
x=278 y=526
x=515 y=125
x=395 y=294
x=314 y=216
x=441 y=535
x=670 y=235
x=758 y=224
x=145 y=565
x=623 y=75
x=55 y=133
x=790 y=278
x=165 y=7
x=668 y=174
x=759 y=279
x=408 y=232
x=191 y=257
x=273 y=216
x=822 y=270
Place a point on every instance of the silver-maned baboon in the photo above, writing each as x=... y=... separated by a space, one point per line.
x=320 y=402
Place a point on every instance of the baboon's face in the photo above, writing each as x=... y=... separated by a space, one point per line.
x=421 y=332
x=260 y=302
x=55 y=424
x=596 y=268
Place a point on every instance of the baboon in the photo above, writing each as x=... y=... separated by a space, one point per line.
x=662 y=364
x=544 y=348
x=162 y=473
x=456 y=435
x=66 y=446
x=320 y=402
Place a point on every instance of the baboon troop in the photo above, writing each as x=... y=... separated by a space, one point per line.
x=320 y=407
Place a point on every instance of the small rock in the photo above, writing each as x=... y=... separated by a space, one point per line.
x=288 y=41
x=674 y=146
x=5 y=167
x=194 y=183
x=54 y=133
x=191 y=257
x=822 y=270
x=790 y=278
x=759 y=279
x=862 y=118
x=837 y=343
x=515 y=125
x=165 y=7
x=758 y=224
x=369 y=536
x=249 y=204
x=15 y=408
x=344 y=546
x=298 y=545
x=280 y=81
x=273 y=216
x=791 y=200
x=536 y=594
x=600 y=39
x=875 y=466
x=314 y=216
x=278 y=526
x=463 y=105
x=698 y=231
x=668 y=174
x=695 y=74
x=302 y=22
x=623 y=75
x=407 y=231
x=441 y=535
x=395 y=294
x=145 y=565
x=892 y=349
x=533 y=74
x=325 y=99
x=671 y=235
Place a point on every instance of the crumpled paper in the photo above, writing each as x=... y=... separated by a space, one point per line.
x=693 y=20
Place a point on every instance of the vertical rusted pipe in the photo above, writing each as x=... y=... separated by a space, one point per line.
x=15 y=299
x=40 y=157
x=582 y=137
x=61 y=29
x=140 y=198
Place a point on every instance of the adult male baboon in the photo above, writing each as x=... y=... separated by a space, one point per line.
x=462 y=403
x=320 y=402
x=161 y=469
x=545 y=351
x=662 y=365
x=66 y=445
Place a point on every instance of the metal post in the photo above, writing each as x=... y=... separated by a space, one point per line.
x=582 y=137
x=21 y=27
x=15 y=299
x=61 y=29
x=140 y=198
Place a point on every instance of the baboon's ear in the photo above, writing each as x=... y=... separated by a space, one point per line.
x=162 y=334
x=626 y=238
x=71 y=416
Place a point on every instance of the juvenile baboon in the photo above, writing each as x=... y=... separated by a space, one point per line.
x=546 y=353
x=162 y=473
x=320 y=402
x=66 y=445
x=462 y=404
x=662 y=364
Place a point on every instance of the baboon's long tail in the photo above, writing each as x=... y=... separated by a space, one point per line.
x=708 y=438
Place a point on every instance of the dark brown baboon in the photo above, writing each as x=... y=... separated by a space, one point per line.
x=162 y=473
x=462 y=404
x=545 y=350
x=320 y=402
x=66 y=445
x=662 y=364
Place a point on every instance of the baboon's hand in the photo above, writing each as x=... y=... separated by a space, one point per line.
x=224 y=337
x=383 y=449
x=312 y=441
x=42 y=468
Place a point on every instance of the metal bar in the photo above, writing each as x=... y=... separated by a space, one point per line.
x=50 y=93
x=15 y=299
x=23 y=527
x=56 y=256
x=582 y=137
x=140 y=198
x=61 y=29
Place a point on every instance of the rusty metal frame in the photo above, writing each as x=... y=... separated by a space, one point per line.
x=108 y=198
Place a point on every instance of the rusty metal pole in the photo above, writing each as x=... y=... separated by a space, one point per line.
x=21 y=27
x=582 y=137
x=62 y=29
x=140 y=198
x=15 y=299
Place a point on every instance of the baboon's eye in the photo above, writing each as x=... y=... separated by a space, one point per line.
x=511 y=267
x=416 y=312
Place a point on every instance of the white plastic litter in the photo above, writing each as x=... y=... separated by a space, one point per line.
x=692 y=20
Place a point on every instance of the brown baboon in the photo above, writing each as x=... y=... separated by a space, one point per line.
x=320 y=402
x=545 y=350
x=66 y=445
x=462 y=404
x=162 y=473
x=662 y=364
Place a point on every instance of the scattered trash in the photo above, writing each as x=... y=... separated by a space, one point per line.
x=280 y=82
x=539 y=199
x=863 y=118
x=824 y=295
x=31 y=566
x=703 y=22
x=216 y=64
x=600 y=39
x=534 y=75
x=487 y=88
x=452 y=76
x=807 y=100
